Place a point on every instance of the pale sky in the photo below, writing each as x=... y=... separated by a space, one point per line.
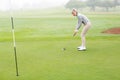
x=27 y=4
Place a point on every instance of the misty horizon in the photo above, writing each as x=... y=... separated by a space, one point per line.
x=5 y=5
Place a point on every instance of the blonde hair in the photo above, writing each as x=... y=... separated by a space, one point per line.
x=74 y=10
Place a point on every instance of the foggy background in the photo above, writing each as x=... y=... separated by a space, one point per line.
x=30 y=4
x=82 y=5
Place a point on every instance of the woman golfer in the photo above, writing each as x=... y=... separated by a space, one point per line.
x=82 y=19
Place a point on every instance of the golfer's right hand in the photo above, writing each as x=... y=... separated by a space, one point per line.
x=75 y=32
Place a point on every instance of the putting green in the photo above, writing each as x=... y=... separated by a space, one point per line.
x=40 y=41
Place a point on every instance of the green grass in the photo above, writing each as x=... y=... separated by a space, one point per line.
x=39 y=48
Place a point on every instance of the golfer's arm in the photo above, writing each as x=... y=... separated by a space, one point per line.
x=78 y=25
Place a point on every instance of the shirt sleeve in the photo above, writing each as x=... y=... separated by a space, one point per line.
x=78 y=24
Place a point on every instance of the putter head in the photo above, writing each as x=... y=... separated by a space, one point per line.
x=64 y=49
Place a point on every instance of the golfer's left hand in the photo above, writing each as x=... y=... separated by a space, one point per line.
x=75 y=32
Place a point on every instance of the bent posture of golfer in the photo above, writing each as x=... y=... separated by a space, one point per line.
x=82 y=19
